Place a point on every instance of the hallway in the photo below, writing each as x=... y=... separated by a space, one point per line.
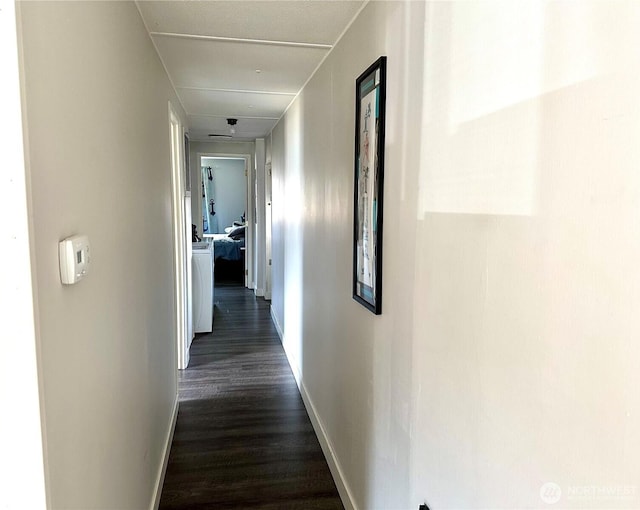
x=243 y=438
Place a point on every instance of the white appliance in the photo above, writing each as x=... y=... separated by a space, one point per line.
x=202 y=276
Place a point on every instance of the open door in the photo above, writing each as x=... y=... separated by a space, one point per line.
x=182 y=260
x=267 y=233
x=186 y=172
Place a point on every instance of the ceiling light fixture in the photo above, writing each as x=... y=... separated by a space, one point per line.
x=232 y=123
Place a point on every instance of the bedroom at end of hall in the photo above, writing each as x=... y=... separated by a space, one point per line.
x=223 y=216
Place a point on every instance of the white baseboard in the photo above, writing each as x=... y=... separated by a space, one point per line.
x=295 y=368
x=259 y=292
x=277 y=325
x=332 y=460
x=165 y=460
x=334 y=466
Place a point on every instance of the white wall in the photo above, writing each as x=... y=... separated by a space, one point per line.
x=99 y=148
x=506 y=355
x=229 y=190
x=278 y=217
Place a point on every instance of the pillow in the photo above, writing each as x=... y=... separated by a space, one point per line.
x=238 y=233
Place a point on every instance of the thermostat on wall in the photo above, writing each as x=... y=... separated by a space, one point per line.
x=74 y=259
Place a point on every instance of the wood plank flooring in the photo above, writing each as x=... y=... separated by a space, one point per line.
x=243 y=438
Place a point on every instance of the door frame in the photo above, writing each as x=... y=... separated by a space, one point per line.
x=249 y=277
x=268 y=192
x=180 y=255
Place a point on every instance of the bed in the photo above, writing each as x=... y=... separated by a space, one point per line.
x=224 y=247
x=228 y=250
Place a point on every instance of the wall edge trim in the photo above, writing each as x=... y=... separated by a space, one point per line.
x=327 y=448
x=274 y=319
x=157 y=493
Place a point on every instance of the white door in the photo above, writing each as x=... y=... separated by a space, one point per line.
x=181 y=262
x=267 y=228
x=189 y=261
x=186 y=172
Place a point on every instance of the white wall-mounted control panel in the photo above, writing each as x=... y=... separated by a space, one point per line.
x=74 y=259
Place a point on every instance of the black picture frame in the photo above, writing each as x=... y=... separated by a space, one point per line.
x=368 y=190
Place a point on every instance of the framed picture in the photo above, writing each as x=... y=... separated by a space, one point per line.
x=368 y=186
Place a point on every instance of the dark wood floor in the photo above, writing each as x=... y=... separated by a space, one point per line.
x=243 y=438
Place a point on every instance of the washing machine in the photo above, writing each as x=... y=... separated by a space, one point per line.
x=202 y=283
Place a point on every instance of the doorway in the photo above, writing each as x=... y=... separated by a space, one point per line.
x=226 y=214
x=224 y=201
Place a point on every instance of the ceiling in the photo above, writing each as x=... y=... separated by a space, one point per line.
x=242 y=59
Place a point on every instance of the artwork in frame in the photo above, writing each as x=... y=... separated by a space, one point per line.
x=368 y=186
